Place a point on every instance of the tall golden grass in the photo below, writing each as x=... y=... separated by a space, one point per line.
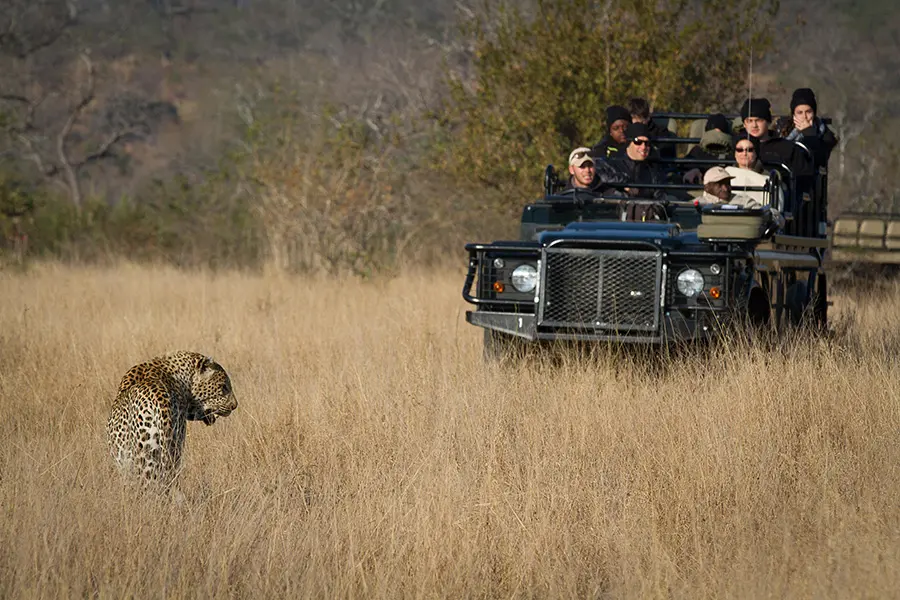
x=373 y=454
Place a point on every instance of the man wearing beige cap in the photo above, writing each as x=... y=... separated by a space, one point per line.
x=717 y=190
x=582 y=171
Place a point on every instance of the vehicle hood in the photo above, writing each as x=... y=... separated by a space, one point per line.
x=659 y=234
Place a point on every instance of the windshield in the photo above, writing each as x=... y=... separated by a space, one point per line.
x=563 y=209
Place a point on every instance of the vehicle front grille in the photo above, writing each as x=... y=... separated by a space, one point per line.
x=601 y=289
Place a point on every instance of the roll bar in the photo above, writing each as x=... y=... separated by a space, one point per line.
x=696 y=116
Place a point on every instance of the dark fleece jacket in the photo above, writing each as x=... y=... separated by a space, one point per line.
x=818 y=138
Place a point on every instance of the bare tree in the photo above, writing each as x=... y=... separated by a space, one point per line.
x=60 y=113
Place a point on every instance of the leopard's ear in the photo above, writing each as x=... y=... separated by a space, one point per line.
x=201 y=362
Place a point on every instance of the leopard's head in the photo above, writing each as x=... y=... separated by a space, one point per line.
x=212 y=392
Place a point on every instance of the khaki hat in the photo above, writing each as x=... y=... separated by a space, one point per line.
x=716 y=174
x=579 y=156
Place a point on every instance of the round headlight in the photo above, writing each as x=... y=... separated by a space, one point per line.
x=689 y=282
x=524 y=278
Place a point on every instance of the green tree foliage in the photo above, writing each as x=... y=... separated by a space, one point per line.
x=540 y=83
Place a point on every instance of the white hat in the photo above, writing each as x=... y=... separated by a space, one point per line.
x=579 y=156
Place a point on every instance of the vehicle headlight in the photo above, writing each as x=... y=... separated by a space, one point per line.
x=689 y=282
x=524 y=278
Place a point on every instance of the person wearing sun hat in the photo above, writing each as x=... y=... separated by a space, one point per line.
x=717 y=190
x=589 y=174
x=808 y=129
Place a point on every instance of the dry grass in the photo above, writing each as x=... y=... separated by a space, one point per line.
x=374 y=455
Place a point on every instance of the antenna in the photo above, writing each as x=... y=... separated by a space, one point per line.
x=750 y=80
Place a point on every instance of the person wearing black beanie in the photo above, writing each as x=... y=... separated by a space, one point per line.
x=718 y=121
x=613 y=143
x=757 y=116
x=803 y=96
x=756 y=108
x=632 y=165
x=636 y=130
x=617 y=113
x=808 y=129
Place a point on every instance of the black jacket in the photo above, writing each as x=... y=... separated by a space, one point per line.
x=819 y=139
x=624 y=169
x=780 y=150
x=607 y=148
x=604 y=175
x=658 y=131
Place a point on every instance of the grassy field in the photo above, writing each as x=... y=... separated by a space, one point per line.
x=374 y=455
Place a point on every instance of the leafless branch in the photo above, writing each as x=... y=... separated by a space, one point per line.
x=105 y=149
x=35 y=157
x=70 y=169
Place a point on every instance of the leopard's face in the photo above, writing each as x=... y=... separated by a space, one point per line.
x=212 y=393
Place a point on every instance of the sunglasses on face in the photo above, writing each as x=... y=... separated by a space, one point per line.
x=745 y=150
x=641 y=142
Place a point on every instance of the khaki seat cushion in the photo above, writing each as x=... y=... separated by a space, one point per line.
x=871 y=233
x=847 y=227
x=728 y=231
x=748 y=220
x=892 y=241
x=844 y=241
x=731 y=227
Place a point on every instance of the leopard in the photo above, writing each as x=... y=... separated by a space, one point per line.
x=155 y=400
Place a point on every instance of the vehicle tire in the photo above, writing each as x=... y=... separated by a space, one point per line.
x=499 y=346
x=796 y=299
x=819 y=303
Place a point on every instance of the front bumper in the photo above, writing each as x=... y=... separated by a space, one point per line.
x=675 y=326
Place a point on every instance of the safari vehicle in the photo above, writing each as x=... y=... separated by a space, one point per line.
x=582 y=271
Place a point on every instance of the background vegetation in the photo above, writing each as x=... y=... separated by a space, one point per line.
x=373 y=454
x=176 y=130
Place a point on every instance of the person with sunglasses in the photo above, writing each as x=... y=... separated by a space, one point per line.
x=640 y=113
x=749 y=170
x=633 y=165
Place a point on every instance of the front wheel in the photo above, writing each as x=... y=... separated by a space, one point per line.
x=820 y=302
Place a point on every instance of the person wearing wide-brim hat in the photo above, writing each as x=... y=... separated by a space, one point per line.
x=717 y=190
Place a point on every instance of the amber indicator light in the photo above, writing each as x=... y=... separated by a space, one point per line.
x=499 y=287
x=716 y=293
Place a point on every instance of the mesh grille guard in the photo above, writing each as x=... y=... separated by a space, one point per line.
x=607 y=289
